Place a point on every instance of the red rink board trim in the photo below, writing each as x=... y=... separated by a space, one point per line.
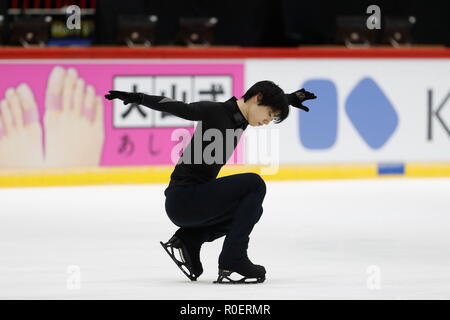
x=220 y=53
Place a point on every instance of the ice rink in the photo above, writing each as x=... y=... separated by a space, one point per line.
x=342 y=239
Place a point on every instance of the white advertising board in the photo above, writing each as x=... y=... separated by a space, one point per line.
x=368 y=110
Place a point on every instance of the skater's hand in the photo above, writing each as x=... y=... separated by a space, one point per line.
x=126 y=97
x=297 y=98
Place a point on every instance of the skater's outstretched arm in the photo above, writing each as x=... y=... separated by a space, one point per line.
x=195 y=111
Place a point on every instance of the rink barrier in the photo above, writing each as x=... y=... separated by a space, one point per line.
x=161 y=174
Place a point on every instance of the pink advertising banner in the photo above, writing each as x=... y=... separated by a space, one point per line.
x=56 y=115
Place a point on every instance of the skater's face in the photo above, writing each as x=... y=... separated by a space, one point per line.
x=259 y=114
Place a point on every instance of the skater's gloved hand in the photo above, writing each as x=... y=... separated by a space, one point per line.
x=297 y=98
x=126 y=97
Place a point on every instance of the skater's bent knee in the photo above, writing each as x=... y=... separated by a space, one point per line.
x=257 y=182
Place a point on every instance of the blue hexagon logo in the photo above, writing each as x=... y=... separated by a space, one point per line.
x=371 y=113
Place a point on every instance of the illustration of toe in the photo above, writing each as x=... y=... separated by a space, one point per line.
x=53 y=99
x=28 y=102
x=7 y=117
x=69 y=89
x=89 y=103
x=2 y=130
x=99 y=109
x=78 y=96
x=15 y=107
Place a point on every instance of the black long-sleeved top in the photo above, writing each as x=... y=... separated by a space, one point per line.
x=194 y=165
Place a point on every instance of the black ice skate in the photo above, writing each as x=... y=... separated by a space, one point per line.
x=245 y=271
x=190 y=263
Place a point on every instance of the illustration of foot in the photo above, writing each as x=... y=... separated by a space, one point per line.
x=20 y=130
x=73 y=121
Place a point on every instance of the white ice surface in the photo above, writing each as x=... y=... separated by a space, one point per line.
x=316 y=239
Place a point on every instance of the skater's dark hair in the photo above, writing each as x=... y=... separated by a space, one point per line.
x=272 y=96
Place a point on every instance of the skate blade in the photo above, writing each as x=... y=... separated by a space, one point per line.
x=225 y=278
x=178 y=263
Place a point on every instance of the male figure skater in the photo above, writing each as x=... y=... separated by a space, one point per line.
x=204 y=207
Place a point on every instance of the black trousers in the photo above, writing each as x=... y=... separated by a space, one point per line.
x=229 y=206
